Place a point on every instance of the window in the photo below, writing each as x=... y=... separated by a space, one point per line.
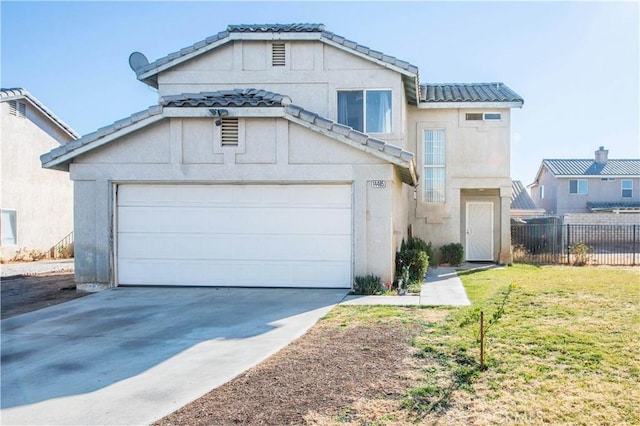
x=8 y=228
x=19 y=109
x=541 y=192
x=367 y=111
x=578 y=186
x=229 y=131
x=434 y=166
x=278 y=55
x=483 y=116
x=627 y=188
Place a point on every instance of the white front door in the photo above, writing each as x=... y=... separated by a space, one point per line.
x=234 y=235
x=479 y=230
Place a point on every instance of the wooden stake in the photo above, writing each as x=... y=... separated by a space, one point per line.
x=482 y=340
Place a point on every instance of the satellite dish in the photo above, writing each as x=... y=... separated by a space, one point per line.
x=137 y=60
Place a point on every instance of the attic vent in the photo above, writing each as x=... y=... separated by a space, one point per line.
x=277 y=55
x=229 y=132
x=19 y=109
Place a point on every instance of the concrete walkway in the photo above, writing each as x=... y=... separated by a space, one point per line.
x=130 y=356
x=442 y=287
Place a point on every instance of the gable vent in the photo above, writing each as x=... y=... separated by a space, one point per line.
x=19 y=109
x=229 y=131
x=277 y=55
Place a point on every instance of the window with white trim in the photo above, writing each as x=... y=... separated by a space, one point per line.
x=578 y=186
x=483 y=116
x=433 y=178
x=8 y=227
x=367 y=111
x=19 y=109
x=627 y=188
x=541 y=192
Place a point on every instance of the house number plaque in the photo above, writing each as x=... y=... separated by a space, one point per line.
x=378 y=184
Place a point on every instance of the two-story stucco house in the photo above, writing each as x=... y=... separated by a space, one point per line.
x=569 y=186
x=36 y=205
x=286 y=155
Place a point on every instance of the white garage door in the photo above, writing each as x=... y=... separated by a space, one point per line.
x=234 y=235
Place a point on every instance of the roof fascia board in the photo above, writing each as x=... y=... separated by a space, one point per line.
x=375 y=152
x=368 y=57
x=436 y=105
x=232 y=111
x=44 y=111
x=596 y=176
x=180 y=59
x=102 y=141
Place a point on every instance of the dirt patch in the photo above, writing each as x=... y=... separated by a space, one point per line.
x=334 y=373
x=32 y=292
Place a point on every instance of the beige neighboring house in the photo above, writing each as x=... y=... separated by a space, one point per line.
x=595 y=185
x=36 y=203
x=285 y=155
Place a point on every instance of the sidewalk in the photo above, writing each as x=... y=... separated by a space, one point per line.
x=442 y=287
x=40 y=267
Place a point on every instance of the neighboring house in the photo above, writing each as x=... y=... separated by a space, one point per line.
x=522 y=205
x=286 y=155
x=566 y=186
x=36 y=204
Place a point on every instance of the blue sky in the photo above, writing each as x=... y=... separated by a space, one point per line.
x=576 y=64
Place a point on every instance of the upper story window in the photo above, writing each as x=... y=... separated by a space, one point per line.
x=19 y=109
x=434 y=166
x=541 y=192
x=483 y=116
x=578 y=186
x=627 y=188
x=278 y=58
x=367 y=111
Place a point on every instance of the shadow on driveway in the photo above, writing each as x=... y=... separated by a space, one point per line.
x=144 y=352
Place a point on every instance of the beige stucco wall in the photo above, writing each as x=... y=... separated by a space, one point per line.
x=478 y=160
x=42 y=198
x=313 y=74
x=273 y=150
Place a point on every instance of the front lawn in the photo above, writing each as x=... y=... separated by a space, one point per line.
x=565 y=350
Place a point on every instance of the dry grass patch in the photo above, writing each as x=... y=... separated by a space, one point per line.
x=354 y=366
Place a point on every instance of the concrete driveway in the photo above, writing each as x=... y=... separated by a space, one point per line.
x=132 y=355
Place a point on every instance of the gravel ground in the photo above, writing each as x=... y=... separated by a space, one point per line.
x=34 y=268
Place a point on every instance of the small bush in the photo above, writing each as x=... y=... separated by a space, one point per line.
x=369 y=284
x=580 y=254
x=417 y=262
x=24 y=255
x=452 y=253
x=66 y=251
x=415 y=243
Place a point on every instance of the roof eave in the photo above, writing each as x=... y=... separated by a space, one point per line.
x=61 y=162
x=467 y=105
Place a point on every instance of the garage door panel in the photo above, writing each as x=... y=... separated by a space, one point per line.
x=234 y=221
x=238 y=247
x=235 y=195
x=253 y=235
x=234 y=273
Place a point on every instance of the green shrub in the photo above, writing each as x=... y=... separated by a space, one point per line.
x=369 y=284
x=415 y=243
x=417 y=262
x=452 y=253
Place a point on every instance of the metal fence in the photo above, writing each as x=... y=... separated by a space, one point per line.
x=553 y=242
